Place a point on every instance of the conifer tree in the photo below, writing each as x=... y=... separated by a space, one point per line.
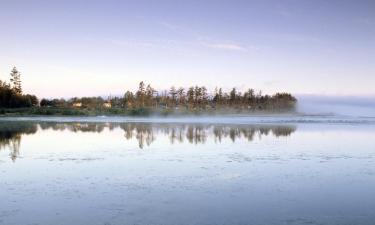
x=15 y=79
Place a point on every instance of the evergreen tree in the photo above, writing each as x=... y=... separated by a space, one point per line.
x=204 y=96
x=149 y=95
x=197 y=96
x=173 y=94
x=141 y=94
x=128 y=99
x=181 y=95
x=190 y=96
x=220 y=96
x=232 y=96
x=15 y=79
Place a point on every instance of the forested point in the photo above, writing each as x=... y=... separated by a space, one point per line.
x=11 y=95
x=144 y=101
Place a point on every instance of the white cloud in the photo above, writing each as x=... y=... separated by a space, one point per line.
x=206 y=41
x=227 y=46
x=136 y=44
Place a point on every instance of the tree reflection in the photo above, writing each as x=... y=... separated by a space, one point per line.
x=145 y=133
x=11 y=134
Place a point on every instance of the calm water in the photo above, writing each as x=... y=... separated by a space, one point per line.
x=180 y=172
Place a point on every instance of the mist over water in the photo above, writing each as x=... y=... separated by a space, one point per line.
x=337 y=105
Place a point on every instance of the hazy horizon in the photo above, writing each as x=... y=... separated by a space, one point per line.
x=72 y=48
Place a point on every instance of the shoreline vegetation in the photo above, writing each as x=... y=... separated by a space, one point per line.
x=145 y=101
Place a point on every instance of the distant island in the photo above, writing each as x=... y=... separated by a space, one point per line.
x=145 y=101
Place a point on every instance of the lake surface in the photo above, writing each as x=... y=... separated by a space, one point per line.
x=225 y=171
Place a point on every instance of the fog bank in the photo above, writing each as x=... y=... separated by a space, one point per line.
x=337 y=105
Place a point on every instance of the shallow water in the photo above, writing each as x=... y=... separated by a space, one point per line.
x=180 y=171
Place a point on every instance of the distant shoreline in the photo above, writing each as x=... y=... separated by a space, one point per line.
x=145 y=101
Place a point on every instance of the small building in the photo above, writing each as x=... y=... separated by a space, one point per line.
x=107 y=105
x=77 y=104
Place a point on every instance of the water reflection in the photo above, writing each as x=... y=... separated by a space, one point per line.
x=145 y=133
x=10 y=136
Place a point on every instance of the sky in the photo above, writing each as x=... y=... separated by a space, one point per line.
x=91 y=48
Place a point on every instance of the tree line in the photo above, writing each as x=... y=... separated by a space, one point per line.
x=192 y=98
x=11 y=95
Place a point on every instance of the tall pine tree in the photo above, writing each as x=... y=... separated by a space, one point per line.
x=15 y=79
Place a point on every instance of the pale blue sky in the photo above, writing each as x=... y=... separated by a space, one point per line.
x=76 y=48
